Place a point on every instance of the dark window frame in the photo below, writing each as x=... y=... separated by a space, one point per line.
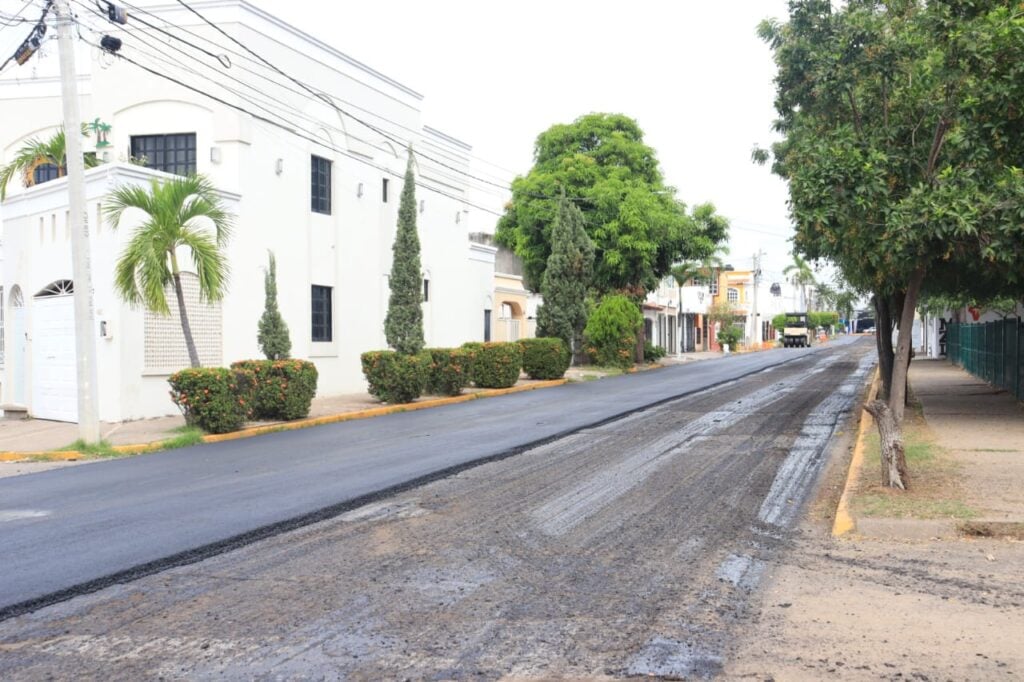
x=384 y=190
x=320 y=173
x=321 y=314
x=426 y=290
x=171 y=153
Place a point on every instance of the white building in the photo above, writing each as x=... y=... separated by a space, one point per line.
x=326 y=206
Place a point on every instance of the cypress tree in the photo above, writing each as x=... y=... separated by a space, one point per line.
x=403 y=325
x=273 y=332
x=566 y=279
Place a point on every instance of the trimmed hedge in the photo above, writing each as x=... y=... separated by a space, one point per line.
x=449 y=370
x=545 y=358
x=282 y=389
x=496 y=364
x=394 y=377
x=653 y=353
x=213 y=398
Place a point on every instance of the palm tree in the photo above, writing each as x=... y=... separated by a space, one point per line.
x=36 y=153
x=800 y=275
x=177 y=214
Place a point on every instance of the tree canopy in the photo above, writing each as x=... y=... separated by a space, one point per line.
x=638 y=227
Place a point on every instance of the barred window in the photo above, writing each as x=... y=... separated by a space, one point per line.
x=169 y=153
x=320 y=185
x=323 y=324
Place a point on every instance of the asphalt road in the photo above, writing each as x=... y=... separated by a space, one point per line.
x=76 y=530
x=630 y=548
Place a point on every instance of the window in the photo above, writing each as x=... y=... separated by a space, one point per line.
x=169 y=153
x=733 y=295
x=44 y=173
x=713 y=285
x=323 y=325
x=426 y=290
x=320 y=186
x=384 y=190
x=487 y=326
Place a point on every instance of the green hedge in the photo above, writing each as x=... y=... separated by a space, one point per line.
x=213 y=398
x=282 y=389
x=545 y=358
x=653 y=353
x=732 y=335
x=394 y=377
x=449 y=370
x=495 y=365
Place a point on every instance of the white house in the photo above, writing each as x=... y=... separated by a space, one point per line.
x=322 y=196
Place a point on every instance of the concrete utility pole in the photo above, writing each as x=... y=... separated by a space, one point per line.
x=757 y=282
x=81 y=269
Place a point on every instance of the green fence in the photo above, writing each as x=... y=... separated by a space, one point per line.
x=993 y=351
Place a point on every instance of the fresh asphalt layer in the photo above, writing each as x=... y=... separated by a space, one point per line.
x=76 y=530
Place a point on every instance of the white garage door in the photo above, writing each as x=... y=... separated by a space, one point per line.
x=54 y=380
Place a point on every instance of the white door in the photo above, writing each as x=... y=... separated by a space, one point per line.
x=54 y=380
x=16 y=354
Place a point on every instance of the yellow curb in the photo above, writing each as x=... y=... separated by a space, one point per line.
x=373 y=412
x=844 y=521
x=50 y=455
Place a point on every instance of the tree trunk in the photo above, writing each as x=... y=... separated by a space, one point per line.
x=186 y=329
x=883 y=342
x=898 y=391
x=641 y=338
x=894 y=461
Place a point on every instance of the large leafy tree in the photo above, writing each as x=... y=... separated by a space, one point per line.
x=38 y=152
x=903 y=138
x=638 y=227
x=403 y=324
x=566 y=279
x=181 y=213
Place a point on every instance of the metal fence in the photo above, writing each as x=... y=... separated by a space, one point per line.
x=993 y=351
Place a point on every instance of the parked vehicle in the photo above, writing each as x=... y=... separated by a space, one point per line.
x=795 y=334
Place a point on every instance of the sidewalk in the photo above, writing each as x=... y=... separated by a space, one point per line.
x=33 y=435
x=973 y=435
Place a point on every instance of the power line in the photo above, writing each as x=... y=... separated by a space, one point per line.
x=16 y=18
x=296 y=132
x=32 y=41
x=326 y=99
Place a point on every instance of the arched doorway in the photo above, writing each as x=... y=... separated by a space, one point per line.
x=54 y=373
x=15 y=354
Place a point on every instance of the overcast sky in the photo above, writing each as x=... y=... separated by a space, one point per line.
x=496 y=74
x=692 y=72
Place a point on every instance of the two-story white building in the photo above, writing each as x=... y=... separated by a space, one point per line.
x=313 y=178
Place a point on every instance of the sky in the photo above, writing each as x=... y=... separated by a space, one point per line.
x=693 y=73
x=496 y=74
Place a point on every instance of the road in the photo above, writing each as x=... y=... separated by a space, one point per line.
x=630 y=547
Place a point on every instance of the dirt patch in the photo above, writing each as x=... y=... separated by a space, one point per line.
x=992 y=529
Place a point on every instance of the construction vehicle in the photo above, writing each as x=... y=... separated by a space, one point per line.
x=795 y=333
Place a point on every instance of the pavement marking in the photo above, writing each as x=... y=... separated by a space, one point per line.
x=19 y=514
x=566 y=511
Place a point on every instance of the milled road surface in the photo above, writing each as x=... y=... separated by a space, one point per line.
x=75 y=530
x=629 y=548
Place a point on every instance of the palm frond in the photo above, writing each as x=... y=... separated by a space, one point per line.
x=211 y=266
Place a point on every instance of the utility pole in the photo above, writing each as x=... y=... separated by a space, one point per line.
x=757 y=283
x=85 y=328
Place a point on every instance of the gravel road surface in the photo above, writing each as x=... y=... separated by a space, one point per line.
x=629 y=548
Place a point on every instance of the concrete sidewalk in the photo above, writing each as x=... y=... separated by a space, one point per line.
x=33 y=435
x=983 y=429
x=979 y=431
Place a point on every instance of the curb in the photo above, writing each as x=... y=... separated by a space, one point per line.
x=844 y=521
x=251 y=432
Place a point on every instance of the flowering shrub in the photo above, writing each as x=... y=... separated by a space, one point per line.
x=395 y=377
x=282 y=389
x=449 y=370
x=545 y=358
x=495 y=365
x=215 y=399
